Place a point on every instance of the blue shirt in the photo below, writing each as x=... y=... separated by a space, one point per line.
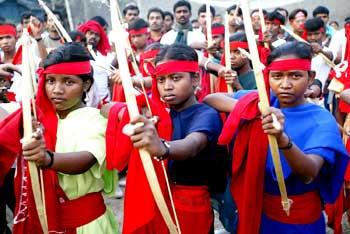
x=196 y=118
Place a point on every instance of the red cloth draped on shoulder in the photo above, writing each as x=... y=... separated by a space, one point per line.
x=345 y=78
x=11 y=132
x=138 y=195
x=103 y=46
x=248 y=162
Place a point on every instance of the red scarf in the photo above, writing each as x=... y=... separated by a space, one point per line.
x=248 y=161
x=103 y=46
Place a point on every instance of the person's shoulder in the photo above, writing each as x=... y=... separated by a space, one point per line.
x=168 y=36
x=203 y=109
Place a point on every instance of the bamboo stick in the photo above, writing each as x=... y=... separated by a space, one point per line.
x=227 y=51
x=210 y=42
x=27 y=95
x=264 y=103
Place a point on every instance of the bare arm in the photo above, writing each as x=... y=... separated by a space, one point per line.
x=69 y=163
x=222 y=102
x=345 y=95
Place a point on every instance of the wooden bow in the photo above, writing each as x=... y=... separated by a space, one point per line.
x=264 y=102
x=130 y=97
x=28 y=90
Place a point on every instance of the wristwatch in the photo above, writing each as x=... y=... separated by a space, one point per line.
x=167 y=150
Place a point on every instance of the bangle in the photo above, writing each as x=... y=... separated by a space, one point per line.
x=38 y=39
x=51 y=155
x=167 y=150
x=288 y=146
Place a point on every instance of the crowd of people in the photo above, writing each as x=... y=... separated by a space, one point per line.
x=201 y=121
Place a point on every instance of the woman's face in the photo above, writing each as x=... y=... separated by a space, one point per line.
x=289 y=86
x=65 y=91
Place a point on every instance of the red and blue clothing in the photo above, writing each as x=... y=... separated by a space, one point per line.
x=314 y=130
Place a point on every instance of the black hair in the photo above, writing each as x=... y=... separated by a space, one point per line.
x=334 y=22
x=68 y=52
x=138 y=24
x=216 y=25
x=182 y=3
x=194 y=21
x=203 y=9
x=299 y=49
x=169 y=14
x=156 y=9
x=347 y=20
x=233 y=7
x=154 y=46
x=295 y=12
x=77 y=36
x=100 y=20
x=26 y=15
x=282 y=9
x=257 y=10
x=57 y=13
x=276 y=15
x=177 y=51
x=320 y=10
x=131 y=7
x=239 y=36
x=314 y=24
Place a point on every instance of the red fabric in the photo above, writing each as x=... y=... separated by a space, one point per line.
x=11 y=96
x=220 y=30
x=72 y=68
x=204 y=85
x=174 y=66
x=103 y=46
x=17 y=59
x=306 y=208
x=193 y=208
x=91 y=206
x=137 y=184
x=138 y=31
x=290 y=64
x=345 y=78
x=234 y=45
x=8 y=29
x=146 y=68
x=335 y=213
x=248 y=162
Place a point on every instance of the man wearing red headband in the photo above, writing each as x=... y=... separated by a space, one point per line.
x=312 y=154
x=274 y=35
x=8 y=39
x=315 y=34
x=97 y=38
x=139 y=35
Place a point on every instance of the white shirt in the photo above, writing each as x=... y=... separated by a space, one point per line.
x=322 y=69
x=101 y=76
x=192 y=36
x=338 y=43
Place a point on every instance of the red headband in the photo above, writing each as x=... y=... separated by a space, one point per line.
x=275 y=21
x=8 y=29
x=138 y=31
x=70 y=68
x=218 y=31
x=238 y=44
x=174 y=66
x=290 y=64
